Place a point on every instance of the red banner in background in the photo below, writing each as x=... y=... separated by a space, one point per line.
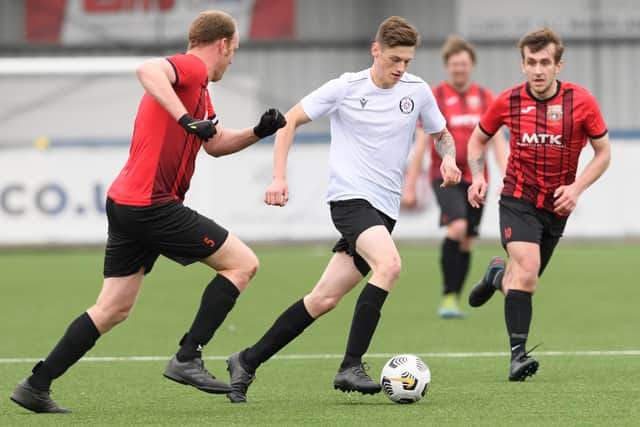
x=100 y=6
x=273 y=19
x=105 y=22
x=43 y=20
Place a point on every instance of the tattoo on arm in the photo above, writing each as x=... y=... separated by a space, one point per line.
x=476 y=166
x=445 y=145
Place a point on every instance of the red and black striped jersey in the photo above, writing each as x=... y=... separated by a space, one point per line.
x=546 y=138
x=463 y=111
x=162 y=155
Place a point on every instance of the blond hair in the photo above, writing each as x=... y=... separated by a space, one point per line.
x=210 y=26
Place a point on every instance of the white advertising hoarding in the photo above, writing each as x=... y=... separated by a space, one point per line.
x=57 y=196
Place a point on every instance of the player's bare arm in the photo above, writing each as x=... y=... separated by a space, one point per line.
x=277 y=194
x=499 y=144
x=446 y=149
x=566 y=196
x=229 y=141
x=157 y=77
x=413 y=170
x=476 y=158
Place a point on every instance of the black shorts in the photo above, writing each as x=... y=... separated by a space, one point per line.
x=351 y=218
x=454 y=204
x=139 y=234
x=521 y=221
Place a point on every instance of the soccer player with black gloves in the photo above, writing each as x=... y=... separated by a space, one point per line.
x=147 y=217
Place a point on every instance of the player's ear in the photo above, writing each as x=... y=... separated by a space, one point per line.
x=375 y=49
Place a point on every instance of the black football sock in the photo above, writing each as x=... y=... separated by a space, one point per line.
x=518 y=312
x=449 y=264
x=217 y=301
x=464 y=259
x=80 y=337
x=364 y=323
x=285 y=329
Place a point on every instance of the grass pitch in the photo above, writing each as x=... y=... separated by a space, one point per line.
x=586 y=301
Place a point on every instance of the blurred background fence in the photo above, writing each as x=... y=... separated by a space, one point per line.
x=69 y=96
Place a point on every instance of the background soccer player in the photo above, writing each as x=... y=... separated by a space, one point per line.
x=373 y=115
x=550 y=122
x=462 y=103
x=147 y=218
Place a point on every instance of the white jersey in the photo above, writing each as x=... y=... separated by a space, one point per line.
x=371 y=134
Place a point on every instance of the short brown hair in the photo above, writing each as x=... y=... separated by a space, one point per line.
x=397 y=31
x=456 y=44
x=210 y=26
x=539 y=39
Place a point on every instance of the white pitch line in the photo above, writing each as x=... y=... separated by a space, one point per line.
x=586 y=353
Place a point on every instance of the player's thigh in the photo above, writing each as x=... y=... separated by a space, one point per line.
x=524 y=264
x=377 y=248
x=115 y=301
x=351 y=218
x=234 y=254
x=120 y=291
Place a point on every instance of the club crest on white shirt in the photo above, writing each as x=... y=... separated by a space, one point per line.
x=407 y=105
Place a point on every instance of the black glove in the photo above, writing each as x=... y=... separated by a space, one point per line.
x=270 y=122
x=204 y=129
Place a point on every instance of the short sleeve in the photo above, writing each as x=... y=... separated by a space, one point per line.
x=492 y=119
x=189 y=70
x=595 y=126
x=431 y=117
x=325 y=99
x=211 y=114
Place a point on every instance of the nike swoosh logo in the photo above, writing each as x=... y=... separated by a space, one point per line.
x=408 y=381
x=527 y=109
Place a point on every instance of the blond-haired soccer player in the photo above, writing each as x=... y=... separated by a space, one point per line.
x=147 y=218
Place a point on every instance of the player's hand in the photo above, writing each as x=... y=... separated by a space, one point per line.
x=451 y=174
x=270 y=122
x=203 y=129
x=277 y=193
x=566 y=199
x=409 y=199
x=477 y=191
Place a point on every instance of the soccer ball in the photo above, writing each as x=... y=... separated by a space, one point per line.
x=405 y=378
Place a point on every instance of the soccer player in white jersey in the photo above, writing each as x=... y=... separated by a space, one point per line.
x=373 y=116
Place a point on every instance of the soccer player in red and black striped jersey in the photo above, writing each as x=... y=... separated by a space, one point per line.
x=462 y=103
x=147 y=218
x=550 y=123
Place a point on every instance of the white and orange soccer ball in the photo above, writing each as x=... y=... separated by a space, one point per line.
x=405 y=378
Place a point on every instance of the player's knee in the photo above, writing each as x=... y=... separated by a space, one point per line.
x=457 y=230
x=243 y=275
x=252 y=265
x=528 y=280
x=390 y=268
x=321 y=304
x=118 y=313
